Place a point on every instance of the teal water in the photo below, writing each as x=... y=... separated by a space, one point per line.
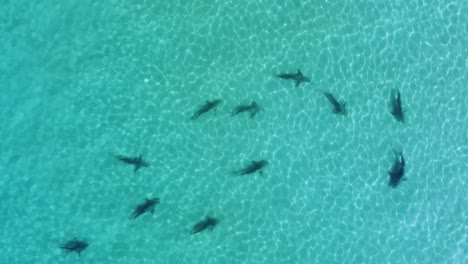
x=82 y=81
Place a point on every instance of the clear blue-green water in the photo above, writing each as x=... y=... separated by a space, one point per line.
x=82 y=81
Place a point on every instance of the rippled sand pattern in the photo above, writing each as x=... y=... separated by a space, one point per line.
x=83 y=81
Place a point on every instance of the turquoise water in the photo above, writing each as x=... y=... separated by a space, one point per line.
x=82 y=81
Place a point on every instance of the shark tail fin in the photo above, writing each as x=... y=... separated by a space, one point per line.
x=397 y=152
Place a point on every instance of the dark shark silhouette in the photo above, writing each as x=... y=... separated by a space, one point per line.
x=252 y=108
x=207 y=223
x=138 y=162
x=209 y=105
x=396 y=108
x=74 y=245
x=146 y=207
x=338 y=107
x=298 y=77
x=397 y=171
x=253 y=167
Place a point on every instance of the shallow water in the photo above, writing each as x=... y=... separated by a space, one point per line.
x=84 y=81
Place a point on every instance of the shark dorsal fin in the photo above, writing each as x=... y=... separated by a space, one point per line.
x=299 y=72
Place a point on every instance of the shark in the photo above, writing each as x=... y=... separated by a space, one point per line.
x=207 y=223
x=75 y=245
x=338 y=107
x=253 y=167
x=137 y=162
x=146 y=207
x=209 y=105
x=252 y=108
x=297 y=77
